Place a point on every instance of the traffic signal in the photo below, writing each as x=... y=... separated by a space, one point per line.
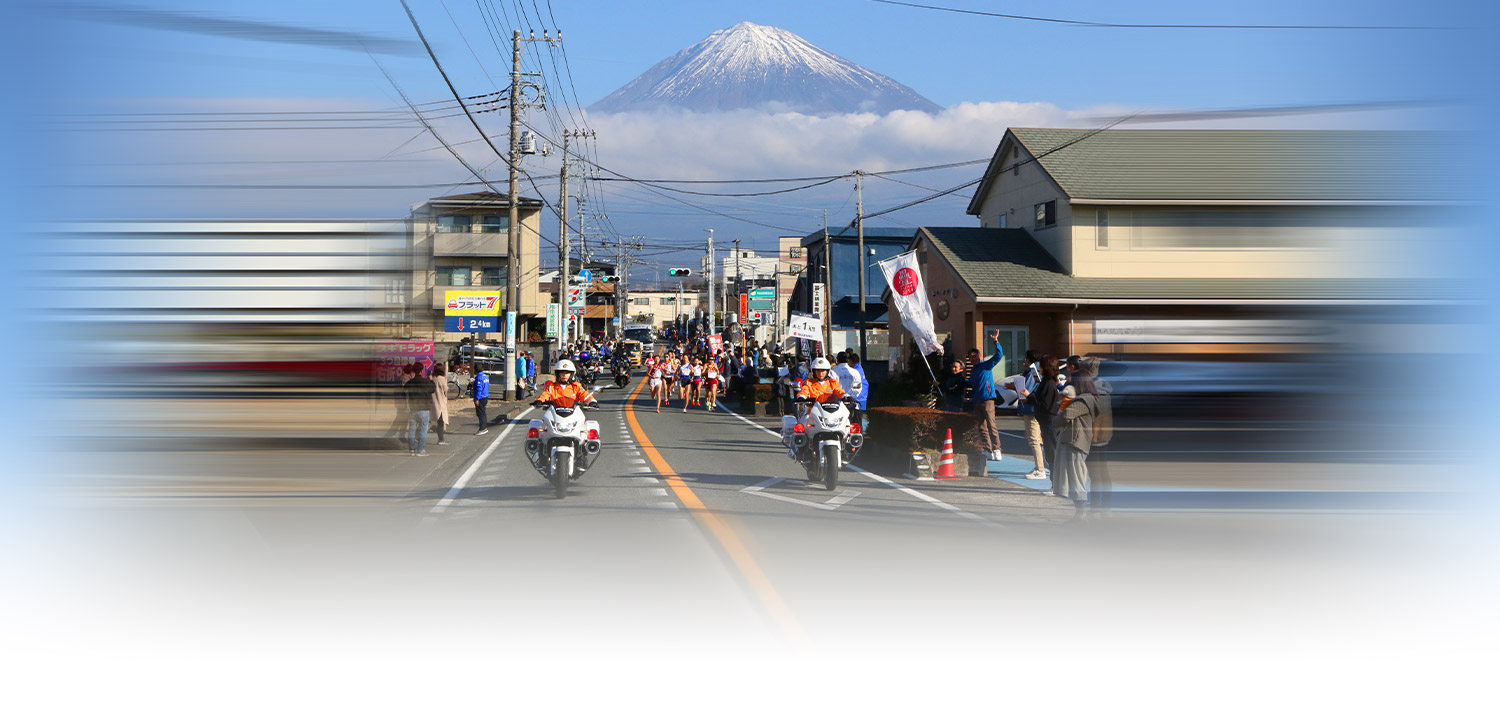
x=607 y=278
x=680 y=272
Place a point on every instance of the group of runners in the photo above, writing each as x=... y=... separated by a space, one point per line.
x=697 y=380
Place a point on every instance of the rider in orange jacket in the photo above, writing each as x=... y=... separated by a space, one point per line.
x=821 y=386
x=564 y=391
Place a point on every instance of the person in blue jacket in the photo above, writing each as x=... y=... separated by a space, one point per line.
x=520 y=366
x=481 y=399
x=864 y=381
x=982 y=393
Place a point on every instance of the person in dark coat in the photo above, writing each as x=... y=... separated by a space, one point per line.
x=1048 y=401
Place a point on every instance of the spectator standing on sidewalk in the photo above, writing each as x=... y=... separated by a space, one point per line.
x=863 y=395
x=1100 y=487
x=531 y=370
x=1027 y=410
x=419 y=399
x=954 y=385
x=1075 y=438
x=520 y=370
x=982 y=394
x=440 y=403
x=1047 y=402
x=481 y=400
x=847 y=376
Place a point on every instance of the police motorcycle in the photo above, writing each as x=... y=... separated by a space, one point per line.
x=821 y=436
x=622 y=371
x=563 y=444
x=589 y=374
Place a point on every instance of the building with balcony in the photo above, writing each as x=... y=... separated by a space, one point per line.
x=460 y=242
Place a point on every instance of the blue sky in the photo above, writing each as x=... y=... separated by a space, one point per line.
x=1017 y=72
x=948 y=57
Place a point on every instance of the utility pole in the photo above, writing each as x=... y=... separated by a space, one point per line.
x=710 y=281
x=562 y=249
x=859 y=188
x=513 y=236
x=564 y=270
x=739 y=278
x=827 y=314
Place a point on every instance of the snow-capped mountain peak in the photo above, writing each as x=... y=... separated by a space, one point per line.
x=751 y=66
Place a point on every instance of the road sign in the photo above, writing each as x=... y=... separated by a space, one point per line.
x=586 y=276
x=462 y=323
x=806 y=327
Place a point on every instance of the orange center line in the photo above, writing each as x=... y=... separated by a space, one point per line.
x=743 y=560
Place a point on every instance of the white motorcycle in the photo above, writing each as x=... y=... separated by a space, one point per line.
x=562 y=445
x=823 y=439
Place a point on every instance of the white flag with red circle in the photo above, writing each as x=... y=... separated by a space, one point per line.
x=909 y=294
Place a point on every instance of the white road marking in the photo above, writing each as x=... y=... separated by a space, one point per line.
x=884 y=481
x=668 y=505
x=657 y=491
x=463 y=480
x=831 y=504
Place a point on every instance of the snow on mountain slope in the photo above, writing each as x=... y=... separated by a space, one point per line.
x=753 y=66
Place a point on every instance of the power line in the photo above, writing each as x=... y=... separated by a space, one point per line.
x=1159 y=26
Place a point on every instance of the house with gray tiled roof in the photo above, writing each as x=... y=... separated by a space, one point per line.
x=1142 y=230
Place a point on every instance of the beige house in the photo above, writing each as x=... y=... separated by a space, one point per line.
x=1156 y=242
x=660 y=309
x=459 y=242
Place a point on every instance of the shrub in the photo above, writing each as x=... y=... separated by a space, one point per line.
x=896 y=432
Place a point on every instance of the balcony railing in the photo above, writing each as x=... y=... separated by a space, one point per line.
x=469 y=244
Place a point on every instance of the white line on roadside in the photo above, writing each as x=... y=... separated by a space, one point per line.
x=885 y=481
x=463 y=480
x=831 y=504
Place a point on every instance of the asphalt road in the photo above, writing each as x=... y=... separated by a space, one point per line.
x=689 y=564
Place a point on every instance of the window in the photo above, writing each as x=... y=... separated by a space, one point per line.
x=795 y=252
x=1003 y=221
x=667 y=301
x=453 y=275
x=640 y=301
x=1101 y=229
x=494 y=275
x=495 y=224
x=1046 y=214
x=452 y=223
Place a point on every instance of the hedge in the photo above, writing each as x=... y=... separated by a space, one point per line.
x=896 y=432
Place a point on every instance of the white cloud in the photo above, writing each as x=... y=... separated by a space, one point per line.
x=705 y=146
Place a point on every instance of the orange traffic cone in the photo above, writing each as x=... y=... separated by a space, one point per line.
x=945 y=463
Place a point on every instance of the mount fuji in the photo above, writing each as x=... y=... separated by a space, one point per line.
x=757 y=67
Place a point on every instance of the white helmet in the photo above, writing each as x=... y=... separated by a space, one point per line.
x=564 y=366
x=821 y=363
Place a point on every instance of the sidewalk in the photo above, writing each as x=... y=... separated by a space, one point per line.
x=277 y=469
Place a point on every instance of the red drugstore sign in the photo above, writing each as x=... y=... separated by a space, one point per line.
x=471 y=303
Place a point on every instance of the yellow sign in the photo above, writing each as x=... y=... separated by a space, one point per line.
x=472 y=304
